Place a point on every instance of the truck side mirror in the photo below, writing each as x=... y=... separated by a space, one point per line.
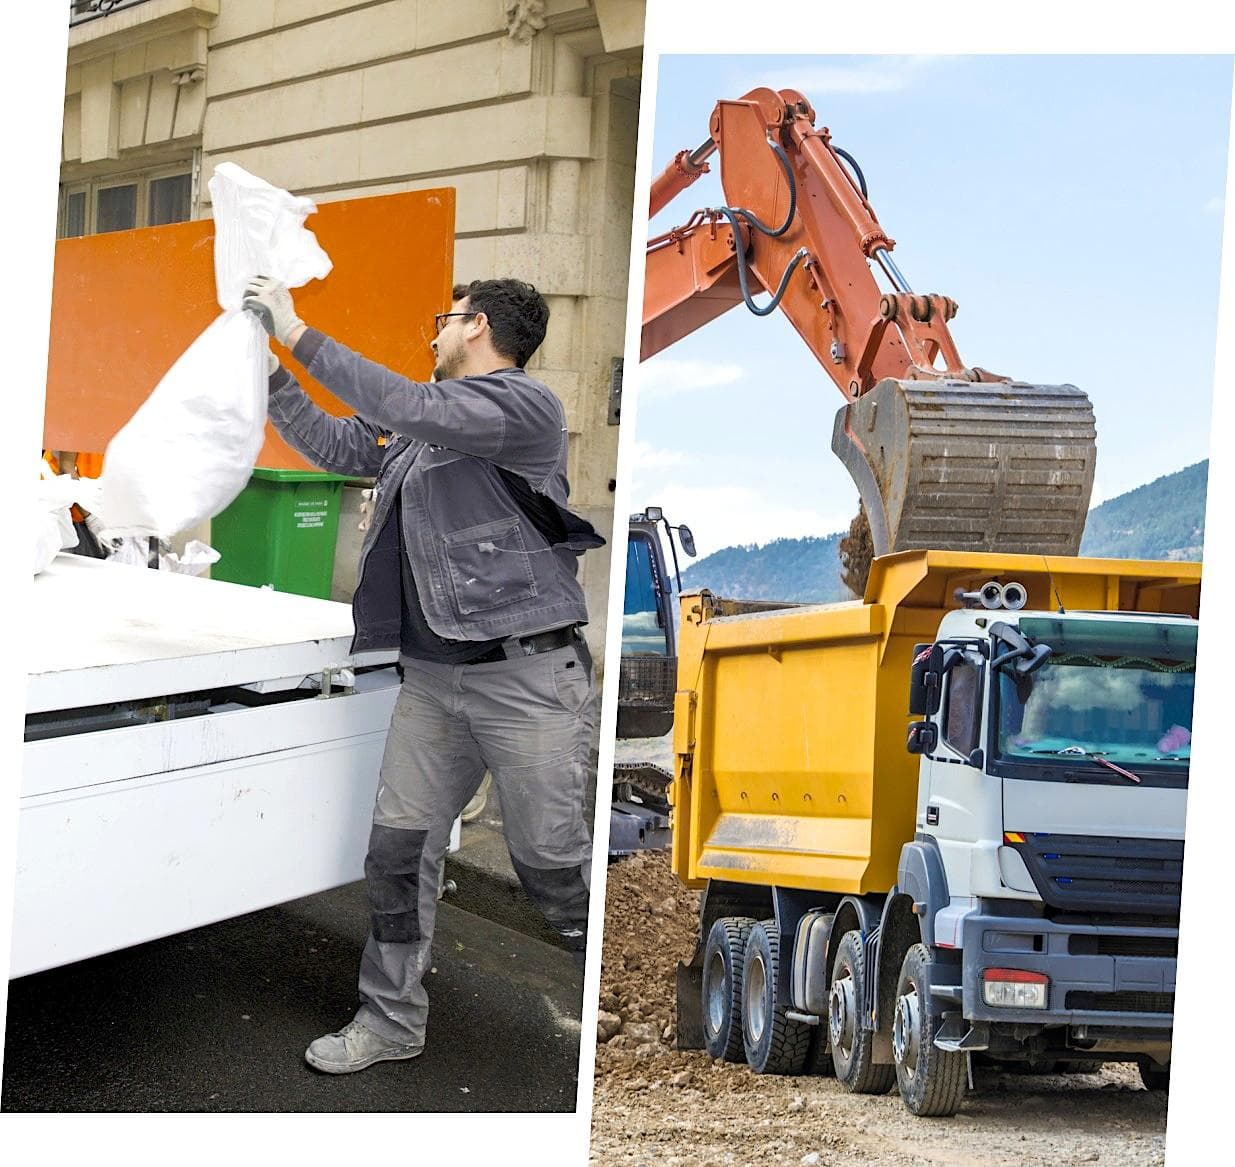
x=1038 y=656
x=923 y=737
x=917 y=679
x=687 y=539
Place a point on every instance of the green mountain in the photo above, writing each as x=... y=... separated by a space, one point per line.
x=803 y=571
x=1164 y=519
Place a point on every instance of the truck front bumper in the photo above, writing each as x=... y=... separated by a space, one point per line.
x=1100 y=975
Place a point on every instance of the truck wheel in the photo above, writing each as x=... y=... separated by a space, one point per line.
x=931 y=1080
x=851 y=1044
x=722 y=987
x=774 y=1044
x=1154 y=1077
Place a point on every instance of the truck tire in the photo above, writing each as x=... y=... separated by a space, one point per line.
x=721 y=998
x=1154 y=1077
x=773 y=1043
x=931 y=1080
x=851 y=1044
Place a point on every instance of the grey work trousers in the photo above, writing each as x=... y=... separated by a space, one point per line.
x=527 y=720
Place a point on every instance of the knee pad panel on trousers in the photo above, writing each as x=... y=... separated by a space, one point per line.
x=392 y=870
x=561 y=895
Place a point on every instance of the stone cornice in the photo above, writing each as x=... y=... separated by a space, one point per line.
x=133 y=27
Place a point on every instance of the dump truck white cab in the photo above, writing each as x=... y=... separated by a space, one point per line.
x=1048 y=860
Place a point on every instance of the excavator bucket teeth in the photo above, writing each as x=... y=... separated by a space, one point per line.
x=971 y=466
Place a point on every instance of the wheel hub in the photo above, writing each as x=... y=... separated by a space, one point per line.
x=905 y=1032
x=715 y=995
x=756 y=998
x=842 y=1016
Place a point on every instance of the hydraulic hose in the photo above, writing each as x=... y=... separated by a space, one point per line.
x=856 y=169
x=753 y=219
x=743 y=281
x=732 y=214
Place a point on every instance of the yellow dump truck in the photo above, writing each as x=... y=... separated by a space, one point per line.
x=942 y=822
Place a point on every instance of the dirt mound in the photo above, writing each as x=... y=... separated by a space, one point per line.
x=650 y=921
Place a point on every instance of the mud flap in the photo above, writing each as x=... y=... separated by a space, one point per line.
x=690 y=1003
x=971 y=466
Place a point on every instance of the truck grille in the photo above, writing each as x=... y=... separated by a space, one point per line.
x=650 y=679
x=1097 y=873
x=1121 y=1002
x=1105 y=945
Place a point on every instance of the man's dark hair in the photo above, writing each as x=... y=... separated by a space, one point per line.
x=517 y=314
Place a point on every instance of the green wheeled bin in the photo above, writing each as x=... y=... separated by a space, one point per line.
x=281 y=530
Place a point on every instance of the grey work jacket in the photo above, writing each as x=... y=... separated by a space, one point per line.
x=481 y=569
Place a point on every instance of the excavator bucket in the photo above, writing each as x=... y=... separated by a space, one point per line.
x=971 y=466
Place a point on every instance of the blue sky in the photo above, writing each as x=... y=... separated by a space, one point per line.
x=1071 y=205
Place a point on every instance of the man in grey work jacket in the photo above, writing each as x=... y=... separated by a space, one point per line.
x=469 y=568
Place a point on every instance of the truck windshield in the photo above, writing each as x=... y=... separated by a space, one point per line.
x=643 y=618
x=1119 y=690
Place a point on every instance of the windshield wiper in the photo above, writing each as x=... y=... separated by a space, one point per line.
x=1080 y=751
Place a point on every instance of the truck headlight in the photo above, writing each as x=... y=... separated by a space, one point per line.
x=1014 y=988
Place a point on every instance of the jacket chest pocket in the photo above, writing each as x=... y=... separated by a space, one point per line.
x=489 y=565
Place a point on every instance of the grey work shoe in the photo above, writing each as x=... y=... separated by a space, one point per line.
x=353 y=1048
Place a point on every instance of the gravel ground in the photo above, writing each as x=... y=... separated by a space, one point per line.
x=657 y=1105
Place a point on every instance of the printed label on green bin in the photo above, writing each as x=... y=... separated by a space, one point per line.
x=311 y=518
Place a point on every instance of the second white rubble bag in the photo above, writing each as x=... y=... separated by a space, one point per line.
x=192 y=444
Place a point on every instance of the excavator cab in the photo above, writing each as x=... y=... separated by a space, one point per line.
x=648 y=675
x=647 y=679
x=944 y=455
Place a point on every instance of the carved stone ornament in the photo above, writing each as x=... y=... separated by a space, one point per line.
x=524 y=19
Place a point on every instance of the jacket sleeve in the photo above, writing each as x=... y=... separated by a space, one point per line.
x=342 y=445
x=489 y=416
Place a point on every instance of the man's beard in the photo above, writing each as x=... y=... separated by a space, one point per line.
x=447 y=367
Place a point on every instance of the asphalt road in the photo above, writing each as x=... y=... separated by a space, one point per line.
x=218 y=1019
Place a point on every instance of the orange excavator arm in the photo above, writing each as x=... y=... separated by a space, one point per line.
x=944 y=456
x=776 y=166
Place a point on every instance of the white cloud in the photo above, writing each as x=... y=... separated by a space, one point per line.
x=648 y=457
x=726 y=516
x=665 y=375
x=875 y=74
x=1214 y=206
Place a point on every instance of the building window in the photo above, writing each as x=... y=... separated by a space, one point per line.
x=115 y=208
x=74 y=218
x=169 y=200
x=118 y=203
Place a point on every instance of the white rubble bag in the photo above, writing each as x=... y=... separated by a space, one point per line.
x=52 y=520
x=191 y=446
x=132 y=551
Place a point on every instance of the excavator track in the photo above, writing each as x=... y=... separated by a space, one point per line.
x=971 y=466
x=639 y=818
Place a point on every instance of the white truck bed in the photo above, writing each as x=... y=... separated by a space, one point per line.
x=139 y=831
x=109 y=632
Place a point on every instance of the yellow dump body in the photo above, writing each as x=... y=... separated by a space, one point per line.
x=790 y=721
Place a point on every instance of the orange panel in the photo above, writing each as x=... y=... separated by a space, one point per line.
x=125 y=305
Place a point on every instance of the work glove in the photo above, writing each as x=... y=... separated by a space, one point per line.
x=272 y=362
x=271 y=302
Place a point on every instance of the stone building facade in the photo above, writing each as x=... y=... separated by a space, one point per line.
x=528 y=108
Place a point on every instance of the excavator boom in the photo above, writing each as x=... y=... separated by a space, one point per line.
x=944 y=456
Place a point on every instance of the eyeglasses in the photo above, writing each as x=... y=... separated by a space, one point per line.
x=440 y=319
